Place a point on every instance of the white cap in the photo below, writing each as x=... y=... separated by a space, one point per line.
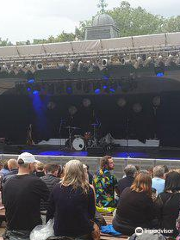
x=27 y=157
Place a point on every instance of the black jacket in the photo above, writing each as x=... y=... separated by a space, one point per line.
x=167 y=206
x=133 y=210
x=50 y=181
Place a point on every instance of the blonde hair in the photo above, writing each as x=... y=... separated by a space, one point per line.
x=75 y=176
x=142 y=183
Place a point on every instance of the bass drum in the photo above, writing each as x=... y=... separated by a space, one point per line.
x=78 y=144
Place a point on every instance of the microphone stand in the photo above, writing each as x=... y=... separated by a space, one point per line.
x=60 y=127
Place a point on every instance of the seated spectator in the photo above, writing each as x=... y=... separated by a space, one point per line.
x=72 y=203
x=39 y=171
x=4 y=170
x=158 y=181
x=105 y=183
x=22 y=195
x=89 y=175
x=130 y=172
x=59 y=173
x=50 y=179
x=166 y=169
x=13 y=170
x=167 y=203
x=135 y=209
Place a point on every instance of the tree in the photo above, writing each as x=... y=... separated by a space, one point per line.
x=80 y=32
x=172 y=24
x=5 y=42
x=135 y=21
x=65 y=37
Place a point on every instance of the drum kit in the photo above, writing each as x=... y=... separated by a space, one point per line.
x=79 y=142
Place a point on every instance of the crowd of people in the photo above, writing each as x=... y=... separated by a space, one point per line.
x=32 y=192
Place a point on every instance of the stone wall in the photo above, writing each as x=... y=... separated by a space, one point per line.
x=93 y=162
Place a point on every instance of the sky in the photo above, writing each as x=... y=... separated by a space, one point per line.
x=23 y=20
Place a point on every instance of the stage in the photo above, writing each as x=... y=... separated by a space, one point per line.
x=170 y=153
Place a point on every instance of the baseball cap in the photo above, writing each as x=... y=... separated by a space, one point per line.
x=27 y=157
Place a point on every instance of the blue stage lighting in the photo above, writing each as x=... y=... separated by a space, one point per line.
x=28 y=89
x=31 y=81
x=35 y=92
x=105 y=87
x=97 y=91
x=112 y=90
x=69 y=90
x=160 y=74
x=106 y=78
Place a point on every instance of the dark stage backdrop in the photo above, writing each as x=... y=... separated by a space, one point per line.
x=163 y=122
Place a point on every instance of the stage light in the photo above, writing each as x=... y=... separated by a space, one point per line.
x=106 y=74
x=86 y=102
x=97 y=91
x=29 y=89
x=80 y=65
x=113 y=85
x=51 y=105
x=72 y=110
x=121 y=102
x=69 y=88
x=111 y=90
x=104 y=62
x=71 y=66
x=159 y=69
x=160 y=74
x=31 y=81
x=35 y=92
x=137 y=107
x=39 y=66
x=97 y=87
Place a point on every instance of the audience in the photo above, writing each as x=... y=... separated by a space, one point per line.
x=22 y=195
x=13 y=170
x=89 y=175
x=72 y=203
x=130 y=172
x=105 y=183
x=4 y=170
x=144 y=200
x=158 y=181
x=50 y=179
x=135 y=208
x=39 y=169
x=167 y=203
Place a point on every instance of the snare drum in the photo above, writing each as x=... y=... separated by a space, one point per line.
x=78 y=143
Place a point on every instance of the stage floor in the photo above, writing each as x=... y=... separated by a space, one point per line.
x=119 y=152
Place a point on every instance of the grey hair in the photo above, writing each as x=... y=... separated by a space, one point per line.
x=158 y=171
x=130 y=170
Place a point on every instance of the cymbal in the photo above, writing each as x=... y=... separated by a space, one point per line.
x=72 y=127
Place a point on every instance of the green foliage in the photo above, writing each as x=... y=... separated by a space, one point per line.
x=63 y=37
x=80 y=32
x=172 y=24
x=5 y=42
x=135 y=21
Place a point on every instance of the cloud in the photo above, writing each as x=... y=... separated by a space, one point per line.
x=24 y=19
